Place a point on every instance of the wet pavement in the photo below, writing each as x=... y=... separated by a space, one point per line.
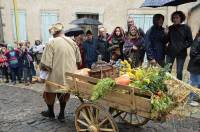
x=20 y=109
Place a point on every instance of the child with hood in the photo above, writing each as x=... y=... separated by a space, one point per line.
x=13 y=61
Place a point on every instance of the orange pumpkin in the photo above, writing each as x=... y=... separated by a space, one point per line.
x=123 y=80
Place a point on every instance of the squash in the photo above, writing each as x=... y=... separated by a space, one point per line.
x=83 y=72
x=123 y=80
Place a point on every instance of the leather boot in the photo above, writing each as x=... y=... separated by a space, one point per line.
x=61 y=116
x=49 y=113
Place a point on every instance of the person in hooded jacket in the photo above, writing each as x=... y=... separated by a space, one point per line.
x=180 y=39
x=13 y=61
x=155 y=41
x=89 y=48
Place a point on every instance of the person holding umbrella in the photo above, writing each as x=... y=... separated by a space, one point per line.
x=180 y=38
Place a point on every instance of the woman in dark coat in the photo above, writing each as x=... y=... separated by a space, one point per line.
x=194 y=64
x=180 y=38
x=134 y=43
x=116 y=42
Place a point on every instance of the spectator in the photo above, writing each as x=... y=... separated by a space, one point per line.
x=155 y=41
x=102 y=44
x=27 y=62
x=130 y=22
x=4 y=65
x=180 y=38
x=133 y=46
x=20 y=65
x=37 y=50
x=116 y=42
x=13 y=56
x=90 y=46
x=78 y=38
x=194 y=67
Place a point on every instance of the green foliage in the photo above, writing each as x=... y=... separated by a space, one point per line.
x=102 y=88
x=153 y=79
x=161 y=104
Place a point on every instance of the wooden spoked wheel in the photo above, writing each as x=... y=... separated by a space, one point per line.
x=133 y=119
x=129 y=118
x=93 y=118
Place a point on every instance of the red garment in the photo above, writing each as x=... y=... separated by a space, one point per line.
x=82 y=56
x=3 y=61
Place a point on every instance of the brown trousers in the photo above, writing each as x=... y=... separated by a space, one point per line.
x=49 y=98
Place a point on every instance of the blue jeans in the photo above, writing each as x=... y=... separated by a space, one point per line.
x=179 y=65
x=27 y=74
x=194 y=81
x=33 y=71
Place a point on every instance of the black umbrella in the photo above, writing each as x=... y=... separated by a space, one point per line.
x=160 y=3
x=86 y=21
x=179 y=2
x=74 y=31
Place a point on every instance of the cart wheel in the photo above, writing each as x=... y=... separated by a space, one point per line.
x=133 y=119
x=93 y=118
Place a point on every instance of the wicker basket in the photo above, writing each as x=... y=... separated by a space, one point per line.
x=103 y=70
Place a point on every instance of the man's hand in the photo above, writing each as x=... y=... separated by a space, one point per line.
x=135 y=48
x=166 y=30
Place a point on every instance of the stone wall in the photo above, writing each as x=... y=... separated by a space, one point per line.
x=112 y=13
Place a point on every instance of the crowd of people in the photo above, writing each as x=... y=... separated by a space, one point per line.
x=161 y=46
x=18 y=63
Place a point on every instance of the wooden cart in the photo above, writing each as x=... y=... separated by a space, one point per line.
x=130 y=104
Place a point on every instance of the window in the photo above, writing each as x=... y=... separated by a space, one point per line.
x=48 y=18
x=93 y=16
x=143 y=21
x=21 y=15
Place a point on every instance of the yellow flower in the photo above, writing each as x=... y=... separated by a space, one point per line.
x=147 y=81
x=138 y=74
x=126 y=62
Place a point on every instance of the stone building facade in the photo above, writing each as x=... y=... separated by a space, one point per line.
x=34 y=16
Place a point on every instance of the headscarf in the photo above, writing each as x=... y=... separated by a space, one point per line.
x=113 y=35
x=133 y=28
x=10 y=47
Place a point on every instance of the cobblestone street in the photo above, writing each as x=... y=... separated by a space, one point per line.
x=20 y=112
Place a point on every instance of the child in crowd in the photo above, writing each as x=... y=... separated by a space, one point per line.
x=4 y=65
x=27 y=62
x=13 y=56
